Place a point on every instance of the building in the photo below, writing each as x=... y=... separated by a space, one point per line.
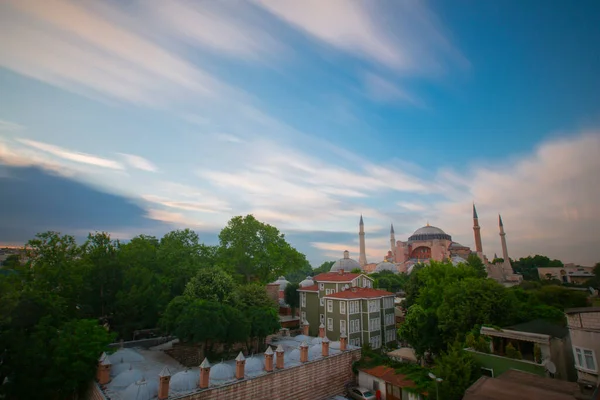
x=567 y=274
x=553 y=356
x=389 y=384
x=346 y=303
x=519 y=385
x=276 y=291
x=584 y=330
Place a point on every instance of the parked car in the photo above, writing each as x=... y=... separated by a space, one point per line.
x=360 y=393
x=338 y=398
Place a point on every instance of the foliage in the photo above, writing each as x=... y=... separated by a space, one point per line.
x=511 y=352
x=212 y=284
x=389 y=281
x=356 y=271
x=252 y=296
x=264 y=321
x=561 y=297
x=478 y=342
x=301 y=273
x=457 y=370
x=292 y=296
x=528 y=266
x=253 y=251
x=325 y=267
x=12 y=261
x=475 y=262
x=537 y=353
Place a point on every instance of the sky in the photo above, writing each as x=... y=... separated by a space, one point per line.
x=147 y=116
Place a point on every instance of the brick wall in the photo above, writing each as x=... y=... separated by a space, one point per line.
x=314 y=380
x=95 y=393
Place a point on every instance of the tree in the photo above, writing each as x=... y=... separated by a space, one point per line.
x=420 y=330
x=211 y=284
x=301 y=273
x=254 y=251
x=251 y=296
x=264 y=321
x=292 y=296
x=457 y=370
x=325 y=267
x=12 y=261
x=475 y=262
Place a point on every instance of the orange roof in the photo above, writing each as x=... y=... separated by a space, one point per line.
x=389 y=375
x=313 y=288
x=335 y=277
x=359 y=293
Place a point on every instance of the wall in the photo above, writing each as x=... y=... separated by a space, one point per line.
x=315 y=380
x=584 y=329
x=501 y=364
x=95 y=393
x=366 y=381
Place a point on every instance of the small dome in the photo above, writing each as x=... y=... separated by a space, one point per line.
x=346 y=263
x=335 y=345
x=429 y=232
x=221 y=373
x=126 y=378
x=184 y=381
x=316 y=340
x=458 y=260
x=116 y=369
x=125 y=356
x=307 y=282
x=315 y=351
x=140 y=390
x=282 y=282
x=294 y=355
x=302 y=338
x=254 y=366
x=386 y=266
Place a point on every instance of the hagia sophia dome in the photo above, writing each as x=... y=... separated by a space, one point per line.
x=429 y=232
x=346 y=263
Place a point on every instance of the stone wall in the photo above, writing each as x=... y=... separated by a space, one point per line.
x=314 y=380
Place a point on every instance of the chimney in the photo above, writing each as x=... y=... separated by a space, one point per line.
x=343 y=342
x=341 y=271
x=269 y=359
x=303 y=352
x=279 y=355
x=325 y=347
x=240 y=364
x=321 y=330
x=163 y=383
x=103 y=372
x=305 y=327
x=204 y=373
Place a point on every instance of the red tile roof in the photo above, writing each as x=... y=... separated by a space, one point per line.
x=335 y=277
x=313 y=288
x=389 y=375
x=359 y=293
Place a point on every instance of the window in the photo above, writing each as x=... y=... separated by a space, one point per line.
x=364 y=283
x=329 y=305
x=342 y=307
x=390 y=335
x=321 y=301
x=388 y=302
x=374 y=324
x=368 y=283
x=303 y=299
x=321 y=286
x=585 y=359
x=329 y=324
x=321 y=318
x=355 y=342
x=303 y=316
x=373 y=306
x=375 y=342
x=354 y=325
x=354 y=306
x=354 y=282
x=389 y=319
x=342 y=326
x=327 y=292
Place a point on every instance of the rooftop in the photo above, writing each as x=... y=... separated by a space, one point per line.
x=542 y=327
x=359 y=293
x=582 y=310
x=335 y=277
x=312 y=288
x=389 y=375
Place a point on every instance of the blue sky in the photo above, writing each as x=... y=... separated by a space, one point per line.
x=308 y=114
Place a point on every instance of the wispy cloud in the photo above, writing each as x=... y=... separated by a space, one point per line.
x=380 y=89
x=139 y=162
x=72 y=155
x=9 y=126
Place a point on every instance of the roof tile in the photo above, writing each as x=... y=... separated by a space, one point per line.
x=359 y=293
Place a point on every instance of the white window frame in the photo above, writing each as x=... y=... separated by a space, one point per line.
x=329 y=324
x=321 y=318
x=375 y=342
x=342 y=326
x=329 y=305
x=303 y=299
x=580 y=351
x=321 y=301
x=327 y=292
x=342 y=307
x=303 y=316
x=321 y=286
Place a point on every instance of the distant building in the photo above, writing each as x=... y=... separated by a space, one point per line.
x=567 y=274
x=346 y=303
x=584 y=329
x=389 y=384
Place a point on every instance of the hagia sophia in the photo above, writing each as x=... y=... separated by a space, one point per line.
x=430 y=243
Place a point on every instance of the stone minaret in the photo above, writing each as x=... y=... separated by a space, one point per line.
x=503 y=240
x=393 y=241
x=362 y=258
x=477 y=232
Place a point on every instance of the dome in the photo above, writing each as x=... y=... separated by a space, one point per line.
x=458 y=260
x=140 y=390
x=126 y=378
x=302 y=338
x=307 y=282
x=221 y=373
x=282 y=282
x=429 y=232
x=116 y=369
x=346 y=263
x=316 y=340
x=125 y=356
x=294 y=355
x=184 y=381
x=386 y=266
x=254 y=366
x=315 y=351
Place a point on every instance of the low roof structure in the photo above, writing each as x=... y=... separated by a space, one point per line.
x=389 y=375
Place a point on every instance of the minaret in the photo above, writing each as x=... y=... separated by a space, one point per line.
x=362 y=258
x=393 y=242
x=503 y=240
x=477 y=232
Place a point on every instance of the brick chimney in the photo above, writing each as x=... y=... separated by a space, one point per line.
x=103 y=372
x=163 y=383
x=341 y=271
x=269 y=359
x=240 y=365
x=321 y=330
x=343 y=342
x=279 y=354
x=325 y=347
x=204 y=373
x=303 y=352
x=305 y=327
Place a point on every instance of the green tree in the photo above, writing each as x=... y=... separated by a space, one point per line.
x=255 y=251
x=253 y=295
x=457 y=370
x=300 y=274
x=325 y=267
x=12 y=261
x=292 y=296
x=211 y=284
x=420 y=330
x=475 y=262
x=264 y=321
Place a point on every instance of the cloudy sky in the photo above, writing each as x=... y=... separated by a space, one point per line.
x=145 y=116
